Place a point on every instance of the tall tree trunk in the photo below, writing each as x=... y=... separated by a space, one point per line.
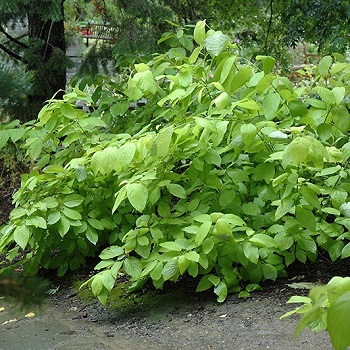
x=46 y=58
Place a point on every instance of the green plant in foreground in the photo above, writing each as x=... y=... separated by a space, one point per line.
x=327 y=307
x=228 y=172
x=25 y=291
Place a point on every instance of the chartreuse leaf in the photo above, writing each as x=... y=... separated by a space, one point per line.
x=306 y=218
x=63 y=226
x=4 y=136
x=171 y=246
x=221 y=291
x=91 y=235
x=310 y=196
x=145 y=81
x=248 y=133
x=222 y=100
x=208 y=245
x=338 y=325
x=156 y=273
x=199 y=32
x=206 y=124
x=71 y=214
x=73 y=200
x=105 y=161
x=97 y=224
x=111 y=252
x=326 y=94
x=341 y=118
x=269 y=271
x=21 y=236
x=133 y=267
x=102 y=296
x=194 y=55
x=271 y=104
x=137 y=194
x=204 y=284
x=141 y=67
x=68 y=111
x=346 y=251
x=149 y=267
x=337 y=286
x=96 y=284
x=183 y=264
x=240 y=79
x=251 y=252
x=345 y=209
x=339 y=94
x=262 y=240
x=176 y=190
x=37 y=221
x=126 y=154
x=108 y=280
x=170 y=269
x=296 y=152
x=268 y=63
x=284 y=208
x=161 y=144
x=121 y=195
x=313 y=314
x=192 y=256
x=103 y=264
x=203 y=232
x=325 y=65
x=216 y=43
x=225 y=68
x=53 y=217
x=338 y=67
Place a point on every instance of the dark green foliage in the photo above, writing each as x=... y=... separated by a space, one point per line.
x=323 y=22
x=41 y=52
x=15 y=85
x=24 y=291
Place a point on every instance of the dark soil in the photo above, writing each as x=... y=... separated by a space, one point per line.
x=175 y=318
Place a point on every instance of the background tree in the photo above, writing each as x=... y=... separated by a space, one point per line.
x=267 y=27
x=272 y=26
x=41 y=51
x=15 y=85
x=325 y=23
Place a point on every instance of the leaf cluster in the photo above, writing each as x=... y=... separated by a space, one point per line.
x=226 y=171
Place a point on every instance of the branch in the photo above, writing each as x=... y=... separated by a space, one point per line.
x=19 y=37
x=270 y=24
x=11 y=53
x=11 y=38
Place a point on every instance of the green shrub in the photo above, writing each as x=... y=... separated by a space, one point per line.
x=228 y=172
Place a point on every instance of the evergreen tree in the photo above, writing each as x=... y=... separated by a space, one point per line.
x=41 y=51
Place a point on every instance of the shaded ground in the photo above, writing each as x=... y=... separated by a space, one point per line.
x=176 y=318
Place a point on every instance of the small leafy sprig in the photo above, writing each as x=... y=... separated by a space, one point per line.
x=327 y=307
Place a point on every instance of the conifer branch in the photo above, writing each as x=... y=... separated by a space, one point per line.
x=11 y=53
x=12 y=39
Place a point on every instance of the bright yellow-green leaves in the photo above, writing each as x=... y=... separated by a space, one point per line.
x=197 y=163
x=199 y=32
